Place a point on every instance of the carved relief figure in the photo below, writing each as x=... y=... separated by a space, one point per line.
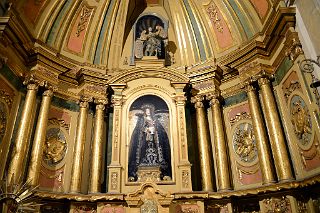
x=300 y=119
x=149 y=145
x=244 y=142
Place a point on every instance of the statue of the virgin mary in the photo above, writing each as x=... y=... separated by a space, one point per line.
x=149 y=145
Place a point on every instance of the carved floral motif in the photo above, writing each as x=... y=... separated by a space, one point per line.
x=244 y=143
x=300 y=119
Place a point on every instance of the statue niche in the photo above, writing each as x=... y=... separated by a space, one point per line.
x=150 y=37
x=149 y=152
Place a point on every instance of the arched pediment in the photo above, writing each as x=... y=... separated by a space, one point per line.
x=163 y=73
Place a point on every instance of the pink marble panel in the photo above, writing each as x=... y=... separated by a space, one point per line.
x=238 y=110
x=51 y=179
x=248 y=179
x=79 y=30
x=187 y=208
x=112 y=209
x=60 y=115
x=220 y=26
x=261 y=6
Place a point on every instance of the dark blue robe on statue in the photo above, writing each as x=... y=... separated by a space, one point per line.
x=149 y=147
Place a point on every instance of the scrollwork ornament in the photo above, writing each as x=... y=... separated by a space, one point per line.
x=244 y=143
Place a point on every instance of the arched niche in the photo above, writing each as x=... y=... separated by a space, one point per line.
x=147 y=27
x=149 y=133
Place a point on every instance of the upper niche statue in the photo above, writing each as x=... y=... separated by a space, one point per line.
x=150 y=43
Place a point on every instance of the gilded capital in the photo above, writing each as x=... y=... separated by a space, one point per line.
x=32 y=86
x=263 y=81
x=214 y=98
x=84 y=101
x=100 y=103
x=48 y=93
x=197 y=101
x=180 y=99
x=117 y=100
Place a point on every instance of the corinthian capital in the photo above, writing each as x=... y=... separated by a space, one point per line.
x=84 y=101
x=198 y=101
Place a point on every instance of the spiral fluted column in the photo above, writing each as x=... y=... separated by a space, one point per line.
x=21 y=143
x=39 y=138
x=79 y=146
x=261 y=137
x=204 y=144
x=221 y=154
x=277 y=139
x=97 y=148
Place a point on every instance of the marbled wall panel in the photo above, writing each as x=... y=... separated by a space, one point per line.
x=77 y=35
x=220 y=26
x=52 y=174
x=261 y=6
x=51 y=179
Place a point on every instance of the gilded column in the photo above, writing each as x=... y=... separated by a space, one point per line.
x=277 y=140
x=39 y=139
x=21 y=143
x=222 y=162
x=79 y=145
x=97 y=148
x=261 y=137
x=203 y=143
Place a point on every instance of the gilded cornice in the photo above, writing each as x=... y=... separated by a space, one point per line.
x=136 y=73
x=261 y=190
x=206 y=80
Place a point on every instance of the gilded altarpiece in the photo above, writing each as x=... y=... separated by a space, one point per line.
x=152 y=147
x=301 y=121
x=244 y=158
